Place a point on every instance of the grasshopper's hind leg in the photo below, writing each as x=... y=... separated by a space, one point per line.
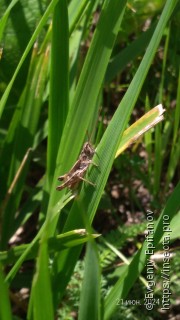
x=85 y=180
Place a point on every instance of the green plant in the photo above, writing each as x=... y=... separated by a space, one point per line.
x=73 y=94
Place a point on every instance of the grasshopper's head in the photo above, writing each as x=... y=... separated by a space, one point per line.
x=87 y=151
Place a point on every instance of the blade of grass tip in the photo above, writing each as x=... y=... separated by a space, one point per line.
x=5 y=306
x=146 y=122
x=89 y=197
x=28 y=48
x=124 y=284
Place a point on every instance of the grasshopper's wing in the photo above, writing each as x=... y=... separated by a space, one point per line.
x=75 y=167
x=71 y=178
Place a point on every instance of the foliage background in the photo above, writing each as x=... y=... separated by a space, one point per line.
x=68 y=68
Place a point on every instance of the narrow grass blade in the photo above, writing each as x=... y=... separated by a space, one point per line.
x=89 y=307
x=41 y=293
x=60 y=242
x=5 y=306
x=59 y=83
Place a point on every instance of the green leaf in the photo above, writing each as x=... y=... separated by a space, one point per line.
x=138 y=128
x=41 y=293
x=55 y=244
x=59 y=83
x=5 y=306
x=90 y=294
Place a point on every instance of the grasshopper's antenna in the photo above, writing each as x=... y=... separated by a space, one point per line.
x=88 y=136
x=94 y=128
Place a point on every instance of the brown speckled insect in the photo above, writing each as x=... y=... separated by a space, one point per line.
x=77 y=172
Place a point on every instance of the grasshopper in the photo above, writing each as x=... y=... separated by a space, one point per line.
x=77 y=172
